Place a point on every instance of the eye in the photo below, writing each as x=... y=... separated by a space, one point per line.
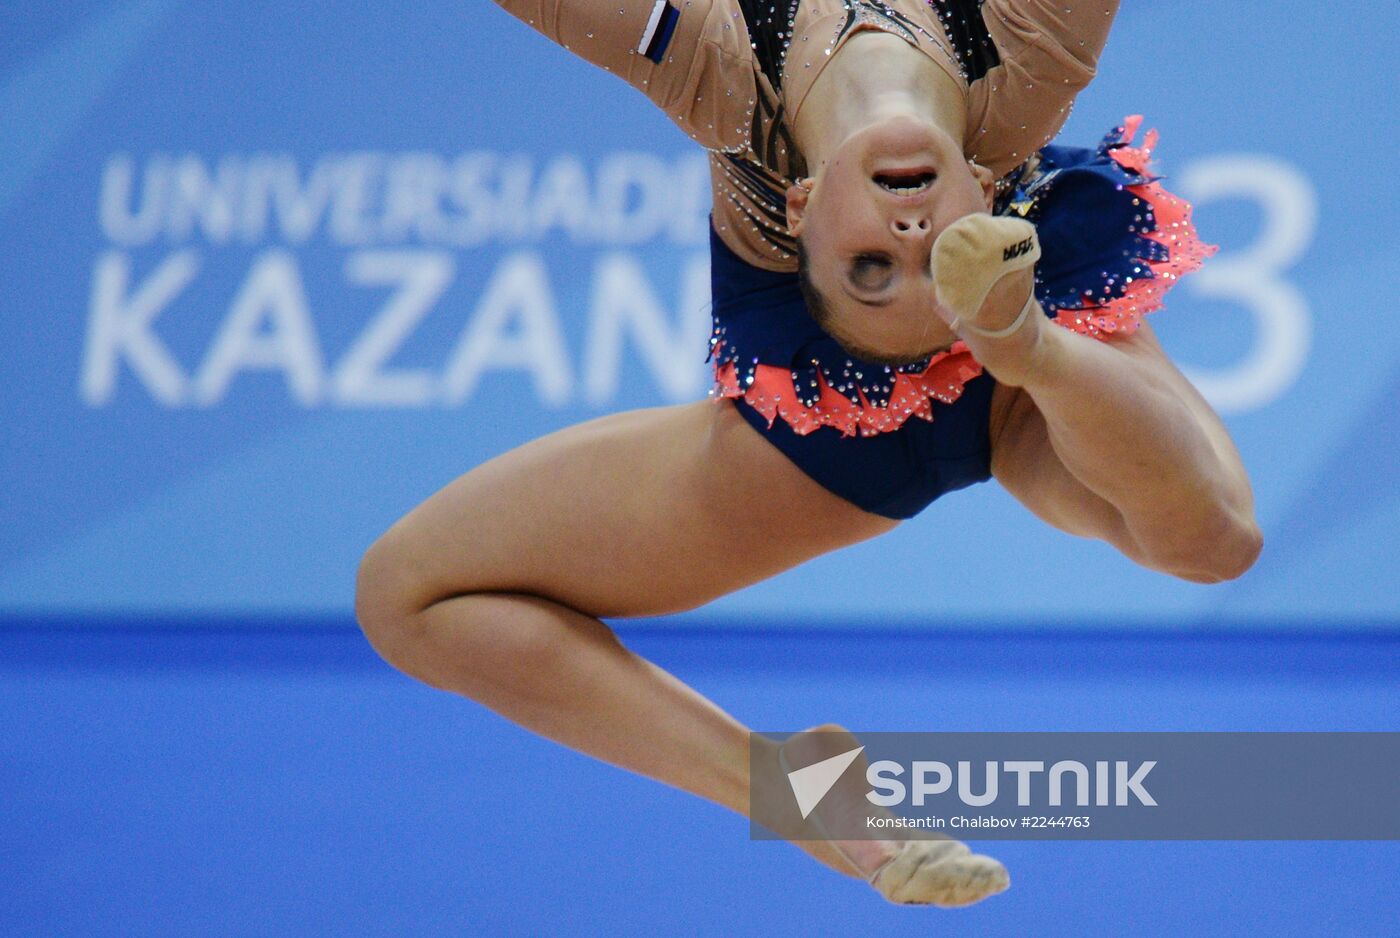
x=871 y=271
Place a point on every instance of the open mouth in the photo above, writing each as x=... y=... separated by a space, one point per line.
x=911 y=182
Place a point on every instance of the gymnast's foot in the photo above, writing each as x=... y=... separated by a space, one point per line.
x=974 y=255
x=931 y=870
x=944 y=873
x=984 y=276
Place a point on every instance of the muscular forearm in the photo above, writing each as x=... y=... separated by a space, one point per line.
x=1134 y=431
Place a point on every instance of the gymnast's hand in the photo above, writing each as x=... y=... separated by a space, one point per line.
x=983 y=270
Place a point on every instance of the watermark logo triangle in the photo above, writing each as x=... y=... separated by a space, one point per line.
x=810 y=784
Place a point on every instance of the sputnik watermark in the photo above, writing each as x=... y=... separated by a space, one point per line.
x=929 y=779
x=810 y=785
x=1158 y=786
x=890 y=790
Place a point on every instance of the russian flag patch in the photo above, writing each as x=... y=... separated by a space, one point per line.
x=661 y=25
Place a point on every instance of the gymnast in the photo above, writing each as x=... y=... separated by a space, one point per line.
x=913 y=291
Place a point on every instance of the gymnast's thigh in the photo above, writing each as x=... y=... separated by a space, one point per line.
x=640 y=513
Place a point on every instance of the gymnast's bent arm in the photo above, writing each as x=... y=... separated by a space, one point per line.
x=689 y=57
x=1047 y=52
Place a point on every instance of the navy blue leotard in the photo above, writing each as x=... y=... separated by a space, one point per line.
x=1104 y=262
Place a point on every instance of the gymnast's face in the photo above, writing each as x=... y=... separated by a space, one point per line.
x=867 y=222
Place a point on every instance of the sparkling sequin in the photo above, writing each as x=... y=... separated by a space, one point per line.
x=858 y=398
x=755 y=159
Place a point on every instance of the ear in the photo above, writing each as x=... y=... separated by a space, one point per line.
x=797 y=195
x=986 y=181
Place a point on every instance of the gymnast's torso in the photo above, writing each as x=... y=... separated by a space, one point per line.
x=733 y=74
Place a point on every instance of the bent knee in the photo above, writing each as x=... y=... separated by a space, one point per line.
x=452 y=640
x=1226 y=552
x=1238 y=552
x=388 y=601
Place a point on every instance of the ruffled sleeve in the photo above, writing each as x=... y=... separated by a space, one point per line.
x=1113 y=239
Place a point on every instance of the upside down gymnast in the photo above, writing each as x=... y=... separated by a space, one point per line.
x=913 y=292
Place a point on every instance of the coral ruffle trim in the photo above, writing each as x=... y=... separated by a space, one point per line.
x=773 y=394
x=1173 y=229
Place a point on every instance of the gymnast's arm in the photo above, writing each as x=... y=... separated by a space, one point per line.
x=1048 y=52
x=1109 y=440
x=689 y=57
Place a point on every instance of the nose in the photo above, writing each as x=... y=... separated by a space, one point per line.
x=909 y=226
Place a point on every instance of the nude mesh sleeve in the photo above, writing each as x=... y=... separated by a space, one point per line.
x=1049 y=53
x=704 y=80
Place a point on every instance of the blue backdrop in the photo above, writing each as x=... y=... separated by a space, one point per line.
x=270 y=273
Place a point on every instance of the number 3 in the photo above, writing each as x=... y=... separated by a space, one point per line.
x=1252 y=276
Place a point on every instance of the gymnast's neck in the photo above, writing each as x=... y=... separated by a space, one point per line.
x=873 y=77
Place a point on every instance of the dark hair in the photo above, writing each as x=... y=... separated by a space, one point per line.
x=816 y=303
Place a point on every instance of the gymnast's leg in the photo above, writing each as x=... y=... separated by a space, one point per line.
x=492 y=588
